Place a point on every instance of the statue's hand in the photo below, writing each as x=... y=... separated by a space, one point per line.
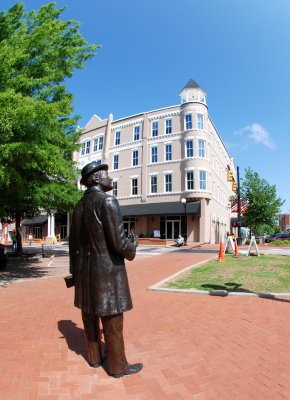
x=133 y=238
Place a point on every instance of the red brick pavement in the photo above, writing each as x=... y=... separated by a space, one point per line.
x=192 y=347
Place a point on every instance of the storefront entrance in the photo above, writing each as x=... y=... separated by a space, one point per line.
x=129 y=224
x=173 y=229
x=171 y=226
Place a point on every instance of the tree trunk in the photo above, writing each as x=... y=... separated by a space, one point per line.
x=19 y=249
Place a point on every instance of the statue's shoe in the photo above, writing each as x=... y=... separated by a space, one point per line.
x=95 y=365
x=131 y=369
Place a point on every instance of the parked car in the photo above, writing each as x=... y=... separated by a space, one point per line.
x=268 y=238
x=279 y=236
x=3 y=256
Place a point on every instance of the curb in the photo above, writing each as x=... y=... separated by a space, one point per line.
x=158 y=287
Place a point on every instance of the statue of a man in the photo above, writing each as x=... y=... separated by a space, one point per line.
x=98 y=246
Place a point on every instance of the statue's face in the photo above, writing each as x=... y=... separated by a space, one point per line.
x=105 y=182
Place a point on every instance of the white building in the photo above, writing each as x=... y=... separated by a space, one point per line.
x=158 y=158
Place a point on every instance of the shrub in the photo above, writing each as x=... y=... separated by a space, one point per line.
x=281 y=242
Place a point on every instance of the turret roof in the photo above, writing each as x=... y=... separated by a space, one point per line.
x=191 y=85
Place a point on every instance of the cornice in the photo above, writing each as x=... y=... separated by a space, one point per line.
x=164 y=115
x=125 y=124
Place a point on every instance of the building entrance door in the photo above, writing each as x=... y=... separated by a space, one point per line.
x=172 y=229
x=63 y=231
x=129 y=223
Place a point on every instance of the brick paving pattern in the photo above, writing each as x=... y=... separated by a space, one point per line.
x=192 y=347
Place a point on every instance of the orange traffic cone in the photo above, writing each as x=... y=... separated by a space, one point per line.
x=221 y=252
x=236 y=249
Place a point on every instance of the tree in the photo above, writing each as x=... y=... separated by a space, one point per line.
x=38 y=134
x=263 y=204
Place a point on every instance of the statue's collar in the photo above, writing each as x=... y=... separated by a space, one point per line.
x=93 y=189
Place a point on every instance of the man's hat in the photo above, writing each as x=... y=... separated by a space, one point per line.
x=90 y=169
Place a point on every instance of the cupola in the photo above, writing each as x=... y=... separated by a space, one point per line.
x=192 y=92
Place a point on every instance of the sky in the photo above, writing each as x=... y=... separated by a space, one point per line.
x=238 y=51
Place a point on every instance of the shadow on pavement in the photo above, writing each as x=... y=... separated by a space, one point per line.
x=73 y=336
x=233 y=287
x=24 y=267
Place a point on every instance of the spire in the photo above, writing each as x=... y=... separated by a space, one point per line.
x=191 y=85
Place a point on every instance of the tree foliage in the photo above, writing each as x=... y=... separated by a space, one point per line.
x=38 y=135
x=263 y=203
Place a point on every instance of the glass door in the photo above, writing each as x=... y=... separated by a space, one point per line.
x=172 y=229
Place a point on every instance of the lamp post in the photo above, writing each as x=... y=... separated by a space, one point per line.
x=183 y=201
x=239 y=239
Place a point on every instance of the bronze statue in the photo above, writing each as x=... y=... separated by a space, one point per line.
x=98 y=246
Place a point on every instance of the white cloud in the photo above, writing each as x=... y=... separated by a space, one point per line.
x=258 y=134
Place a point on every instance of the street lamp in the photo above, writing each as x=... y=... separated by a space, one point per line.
x=183 y=201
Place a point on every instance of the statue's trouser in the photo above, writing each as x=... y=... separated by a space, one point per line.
x=113 y=337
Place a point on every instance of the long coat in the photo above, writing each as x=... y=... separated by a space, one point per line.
x=98 y=246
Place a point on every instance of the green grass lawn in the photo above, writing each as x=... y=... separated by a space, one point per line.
x=266 y=273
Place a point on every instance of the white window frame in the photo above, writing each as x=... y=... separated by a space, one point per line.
x=153 y=148
x=117 y=138
x=168 y=153
x=153 y=177
x=188 y=121
x=202 y=182
x=135 y=138
x=98 y=143
x=190 y=181
x=187 y=149
x=85 y=149
x=201 y=149
x=168 y=126
x=168 y=184
x=134 y=187
x=115 y=188
x=135 y=157
x=200 y=121
x=154 y=128
x=115 y=162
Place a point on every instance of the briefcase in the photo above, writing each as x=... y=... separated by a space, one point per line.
x=69 y=281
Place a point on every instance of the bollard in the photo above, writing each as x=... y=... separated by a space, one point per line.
x=221 y=252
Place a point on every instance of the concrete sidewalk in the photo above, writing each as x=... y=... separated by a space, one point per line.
x=192 y=347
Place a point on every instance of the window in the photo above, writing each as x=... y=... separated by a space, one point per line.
x=168 y=126
x=190 y=180
x=188 y=121
x=153 y=184
x=200 y=121
x=116 y=161
x=202 y=180
x=201 y=148
x=153 y=154
x=115 y=188
x=135 y=158
x=98 y=143
x=85 y=149
x=117 y=138
x=136 y=133
x=134 y=186
x=155 y=128
x=168 y=183
x=168 y=152
x=189 y=148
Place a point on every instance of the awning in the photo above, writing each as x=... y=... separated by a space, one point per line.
x=170 y=208
x=39 y=220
